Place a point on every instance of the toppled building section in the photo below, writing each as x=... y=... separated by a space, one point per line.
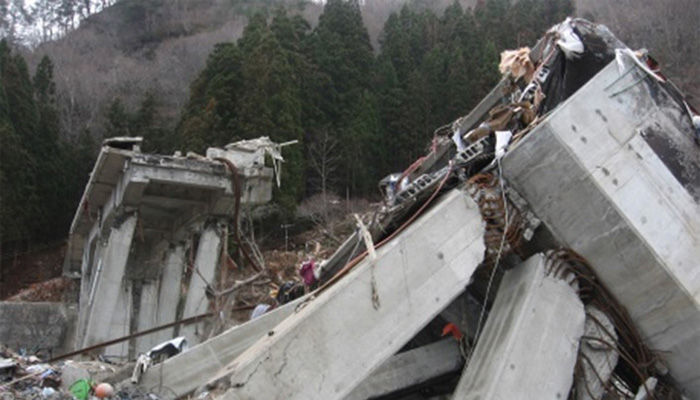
x=614 y=174
x=148 y=225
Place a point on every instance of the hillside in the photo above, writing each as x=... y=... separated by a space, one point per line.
x=159 y=47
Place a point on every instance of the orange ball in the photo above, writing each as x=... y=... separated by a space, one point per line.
x=104 y=390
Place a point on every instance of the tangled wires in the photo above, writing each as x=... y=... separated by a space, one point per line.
x=503 y=221
x=636 y=362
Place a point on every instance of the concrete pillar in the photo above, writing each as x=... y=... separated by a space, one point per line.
x=120 y=313
x=147 y=316
x=182 y=374
x=409 y=369
x=169 y=291
x=88 y=284
x=205 y=264
x=109 y=287
x=334 y=342
x=529 y=345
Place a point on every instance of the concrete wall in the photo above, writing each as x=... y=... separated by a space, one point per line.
x=43 y=327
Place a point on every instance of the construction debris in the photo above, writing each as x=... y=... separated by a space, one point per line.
x=27 y=377
x=550 y=233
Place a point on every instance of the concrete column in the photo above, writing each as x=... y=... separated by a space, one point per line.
x=409 y=369
x=205 y=264
x=169 y=291
x=334 y=342
x=87 y=283
x=85 y=271
x=529 y=344
x=121 y=313
x=147 y=316
x=109 y=288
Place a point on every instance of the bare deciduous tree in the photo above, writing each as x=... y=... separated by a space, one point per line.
x=323 y=159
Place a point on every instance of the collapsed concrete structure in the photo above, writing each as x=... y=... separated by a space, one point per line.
x=149 y=224
x=566 y=203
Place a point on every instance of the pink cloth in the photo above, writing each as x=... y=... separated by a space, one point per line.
x=307 y=273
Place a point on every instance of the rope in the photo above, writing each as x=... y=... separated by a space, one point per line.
x=495 y=264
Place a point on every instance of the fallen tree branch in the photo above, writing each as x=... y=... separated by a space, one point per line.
x=239 y=284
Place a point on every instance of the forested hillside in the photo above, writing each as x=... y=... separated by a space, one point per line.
x=361 y=85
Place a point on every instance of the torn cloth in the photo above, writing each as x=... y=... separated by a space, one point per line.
x=517 y=63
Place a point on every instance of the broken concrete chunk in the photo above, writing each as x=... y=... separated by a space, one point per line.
x=410 y=368
x=182 y=374
x=530 y=341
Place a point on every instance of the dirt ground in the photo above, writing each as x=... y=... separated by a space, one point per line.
x=21 y=270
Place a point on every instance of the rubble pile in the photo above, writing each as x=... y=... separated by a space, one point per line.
x=29 y=377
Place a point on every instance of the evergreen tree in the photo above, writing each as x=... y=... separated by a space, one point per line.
x=147 y=123
x=340 y=47
x=51 y=181
x=407 y=106
x=18 y=200
x=211 y=112
x=118 y=123
x=269 y=103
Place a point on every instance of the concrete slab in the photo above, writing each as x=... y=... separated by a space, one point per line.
x=529 y=345
x=182 y=374
x=332 y=344
x=614 y=175
x=410 y=368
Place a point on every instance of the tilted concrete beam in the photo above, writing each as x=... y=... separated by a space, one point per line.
x=108 y=287
x=332 y=344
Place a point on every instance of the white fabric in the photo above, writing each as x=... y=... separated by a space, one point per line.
x=568 y=42
x=502 y=141
x=259 y=310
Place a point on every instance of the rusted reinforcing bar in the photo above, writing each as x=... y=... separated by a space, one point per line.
x=184 y=321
